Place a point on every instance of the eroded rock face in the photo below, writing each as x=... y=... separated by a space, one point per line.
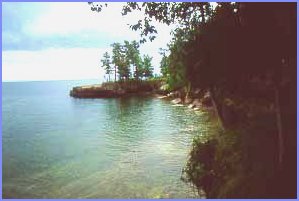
x=206 y=100
x=188 y=100
x=175 y=94
x=120 y=92
x=94 y=92
x=113 y=90
x=196 y=103
x=191 y=106
x=197 y=92
x=177 y=101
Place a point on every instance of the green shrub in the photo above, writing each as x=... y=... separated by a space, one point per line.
x=239 y=163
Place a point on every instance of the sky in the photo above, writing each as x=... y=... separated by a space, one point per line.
x=65 y=41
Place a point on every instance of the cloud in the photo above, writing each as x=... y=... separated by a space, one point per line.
x=27 y=42
x=15 y=17
x=63 y=31
x=52 y=64
x=36 y=26
x=56 y=64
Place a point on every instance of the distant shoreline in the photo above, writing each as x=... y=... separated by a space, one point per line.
x=79 y=80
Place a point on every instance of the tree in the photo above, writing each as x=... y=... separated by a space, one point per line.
x=147 y=68
x=242 y=52
x=121 y=61
x=124 y=68
x=106 y=64
x=164 y=66
x=116 y=57
x=127 y=55
x=133 y=56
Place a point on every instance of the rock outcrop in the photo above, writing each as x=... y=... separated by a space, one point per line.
x=196 y=99
x=118 y=89
x=95 y=92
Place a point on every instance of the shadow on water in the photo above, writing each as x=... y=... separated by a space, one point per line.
x=96 y=148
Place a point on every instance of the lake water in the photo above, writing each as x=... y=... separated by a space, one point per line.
x=55 y=146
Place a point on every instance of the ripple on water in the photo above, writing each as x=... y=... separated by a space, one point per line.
x=116 y=148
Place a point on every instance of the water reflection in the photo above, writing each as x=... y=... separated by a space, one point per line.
x=97 y=148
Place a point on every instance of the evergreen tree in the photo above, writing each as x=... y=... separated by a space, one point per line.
x=147 y=68
x=133 y=56
x=121 y=61
x=106 y=64
x=116 y=57
x=244 y=54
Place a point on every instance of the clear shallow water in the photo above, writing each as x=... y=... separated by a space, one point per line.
x=55 y=146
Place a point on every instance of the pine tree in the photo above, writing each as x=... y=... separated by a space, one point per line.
x=106 y=64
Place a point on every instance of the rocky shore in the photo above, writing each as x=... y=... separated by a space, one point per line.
x=194 y=100
x=95 y=91
x=117 y=90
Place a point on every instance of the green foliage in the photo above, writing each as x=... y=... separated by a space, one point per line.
x=164 y=66
x=135 y=86
x=133 y=56
x=125 y=56
x=246 y=54
x=241 y=162
x=173 y=67
x=106 y=64
x=147 y=68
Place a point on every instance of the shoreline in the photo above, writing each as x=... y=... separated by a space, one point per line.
x=96 y=91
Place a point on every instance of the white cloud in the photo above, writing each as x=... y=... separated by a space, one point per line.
x=52 y=64
x=60 y=64
x=72 y=20
x=68 y=18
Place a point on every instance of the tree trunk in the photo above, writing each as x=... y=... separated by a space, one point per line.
x=188 y=90
x=136 y=71
x=202 y=13
x=217 y=107
x=279 y=127
x=115 y=74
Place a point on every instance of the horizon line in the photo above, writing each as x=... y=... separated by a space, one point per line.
x=52 y=80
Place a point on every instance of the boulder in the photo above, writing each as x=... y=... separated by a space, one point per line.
x=188 y=100
x=191 y=106
x=177 y=101
x=197 y=92
x=196 y=103
x=206 y=100
x=161 y=92
x=162 y=97
x=174 y=94
x=171 y=95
